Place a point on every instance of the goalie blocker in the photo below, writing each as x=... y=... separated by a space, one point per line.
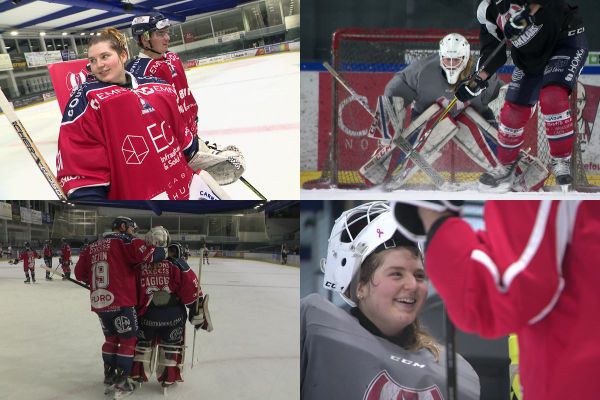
x=472 y=133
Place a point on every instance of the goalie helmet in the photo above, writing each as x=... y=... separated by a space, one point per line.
x=158 y=236
x=356 y=234
x=129 y=223
x=455 y=52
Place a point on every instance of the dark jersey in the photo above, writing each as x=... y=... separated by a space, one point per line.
x=339 y=359
x=531 y=50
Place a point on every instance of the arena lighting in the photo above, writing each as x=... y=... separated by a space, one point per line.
x=82 y=34
x=14 y=33
x=65 y=33
x=42 y=33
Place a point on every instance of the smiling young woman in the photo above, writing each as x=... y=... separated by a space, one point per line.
x=376 y=349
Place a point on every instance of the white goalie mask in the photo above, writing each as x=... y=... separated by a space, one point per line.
x=356 y=234
x=455 y=52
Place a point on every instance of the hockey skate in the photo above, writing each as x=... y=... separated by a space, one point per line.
x=27 y=280
x=123 y=386
x=109 y=380
x=561 y=168
x=498 y=180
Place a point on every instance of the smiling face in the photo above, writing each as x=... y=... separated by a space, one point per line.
x=395 y=293
x=106 y=64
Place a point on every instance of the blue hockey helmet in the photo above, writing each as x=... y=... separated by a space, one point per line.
x=129 y=223
x=148 y=23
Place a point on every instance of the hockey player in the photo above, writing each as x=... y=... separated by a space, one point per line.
x=428 y=84
x=123 y=137
x=225 y=165
x=165 y=289
x=377 y=350
x=204 y=251
x=28 y=256
x=65 y=258
x=549 y=49
x=186 y=252
x=532 y=271
x=48 y=252
x=107 y=266
x=284 y=253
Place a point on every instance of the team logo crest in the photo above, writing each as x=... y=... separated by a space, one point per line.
x=383 y=387
x=75 y=79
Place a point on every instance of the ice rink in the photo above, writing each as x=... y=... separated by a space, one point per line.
x=252 y=103
x=50 y=340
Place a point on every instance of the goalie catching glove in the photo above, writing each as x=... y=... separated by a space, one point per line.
x=225 y=165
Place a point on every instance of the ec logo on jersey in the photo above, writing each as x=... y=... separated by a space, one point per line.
x=74 y=80
x=134 y=149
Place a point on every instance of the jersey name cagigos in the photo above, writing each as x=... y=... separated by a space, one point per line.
x=407 y=362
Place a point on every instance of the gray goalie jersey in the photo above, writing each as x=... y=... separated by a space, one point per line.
x=342 y=360
x=424 y=82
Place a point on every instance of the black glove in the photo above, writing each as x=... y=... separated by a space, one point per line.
x=518 y=23
x=468 y=89
x=175 y=250
x=407 y=215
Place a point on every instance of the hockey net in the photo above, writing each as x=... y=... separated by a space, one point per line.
x=367 y=60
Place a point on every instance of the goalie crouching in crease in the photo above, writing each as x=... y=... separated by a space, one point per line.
x=124 y=137
x=377 y=349
x=429 y=84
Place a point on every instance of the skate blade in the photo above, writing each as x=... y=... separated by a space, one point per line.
x=108 y=389
x=121 y=395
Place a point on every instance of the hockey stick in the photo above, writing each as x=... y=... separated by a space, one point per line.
x=75 y=281
x=256 y=192
x=452 y=389
x=196 y=308
x=451 y=105
x=14 y=120
x=404 y=145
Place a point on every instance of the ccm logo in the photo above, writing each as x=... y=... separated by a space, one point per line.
x=330 y=285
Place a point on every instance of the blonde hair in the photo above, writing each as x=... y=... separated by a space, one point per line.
x=465 y=73
x=414 y=337
x=116 y=39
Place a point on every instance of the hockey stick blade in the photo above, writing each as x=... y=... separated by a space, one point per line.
x=404 y=145
x=75 y=281
x=12 y=117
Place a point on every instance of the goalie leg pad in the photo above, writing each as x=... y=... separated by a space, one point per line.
x=530 y=175
x=554 y=103
x=513 y=118
x=142 y=361
x=170 y=363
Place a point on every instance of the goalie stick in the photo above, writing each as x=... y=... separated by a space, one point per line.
x=256 y=192
x=75 y=281
x=16 y=123
x=402 y=143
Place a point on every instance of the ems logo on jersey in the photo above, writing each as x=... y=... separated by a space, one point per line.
x=383 y=387
x=134 y=149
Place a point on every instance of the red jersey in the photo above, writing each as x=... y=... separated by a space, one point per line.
x=107 y=266
x=28 y=258
x=65 y=252
x=167 y=277
x=48 y=251
x=533 y=271
x=170 y=69
x=129 y=139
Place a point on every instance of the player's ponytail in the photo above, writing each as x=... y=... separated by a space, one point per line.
x=116 y=39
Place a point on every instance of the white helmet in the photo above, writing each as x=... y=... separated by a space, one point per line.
x=455 y=52
x=357 y=233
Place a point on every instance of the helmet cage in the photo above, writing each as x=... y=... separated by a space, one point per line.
x=355 y=235
x=455 y=52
